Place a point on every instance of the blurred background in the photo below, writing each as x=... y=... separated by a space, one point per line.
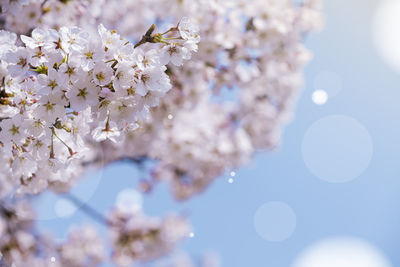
x=329 y=195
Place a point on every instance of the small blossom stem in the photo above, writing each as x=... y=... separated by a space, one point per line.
x=170 y=30
x=111 y=60
x=52 y=155
x=173 y=38
x=108 y=123
x=69 y=149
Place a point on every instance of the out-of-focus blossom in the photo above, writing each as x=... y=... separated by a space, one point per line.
x=83 y=248
x=139 y=238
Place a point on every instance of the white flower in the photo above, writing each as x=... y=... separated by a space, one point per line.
x=124 y=52
x=144 y=59
x=148 y=80
x=38 y=38
x=38 y=57
x=50 y=108
x=189 y=30
x=52 y=83
x=53 y=41
x=37 y=128
x=191 y=47
x=110 y=39
x=82 y=94
x=18 y=61
x=40 y=148
x=24 y=165
x=123 y=76
x=73 y=38
x=12 y=84
x=13 y=130
x=72 y=69
x=90 y=53
x=102 y=74
x=54 y=57
x=106 y=130
x=7 y=41
x=174 y=53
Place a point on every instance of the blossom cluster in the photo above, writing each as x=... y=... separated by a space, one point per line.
x=65 y=90
x=83 y=247
x=137 y=237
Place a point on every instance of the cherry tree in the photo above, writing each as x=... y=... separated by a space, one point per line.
x=76 y=96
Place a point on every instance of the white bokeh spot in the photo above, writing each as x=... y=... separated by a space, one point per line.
x=64 y=208
x=385 y=32
x=341 y=252
x=129 y=200
x=319 y=97
x=275 y=221
x=337 y=149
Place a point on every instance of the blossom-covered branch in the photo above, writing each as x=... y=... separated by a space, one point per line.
x=80 y=97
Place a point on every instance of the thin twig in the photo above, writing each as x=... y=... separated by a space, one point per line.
x=86 y=208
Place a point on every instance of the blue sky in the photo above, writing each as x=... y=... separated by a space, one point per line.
x=355 y=137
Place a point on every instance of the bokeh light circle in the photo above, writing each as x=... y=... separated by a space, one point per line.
x=129 y=201
x=341 y=252
x=385 y=31
x=337 y=149
x=275 y=221
x=319 y=97
x=64 y=208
